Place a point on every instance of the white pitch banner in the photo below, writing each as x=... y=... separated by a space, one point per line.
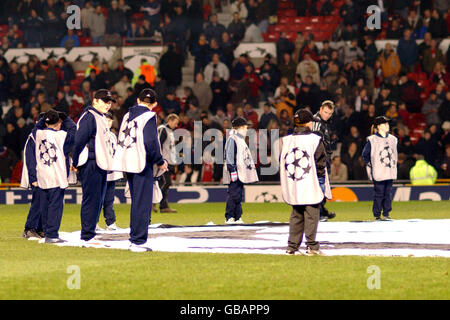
x=256 y=50
x=132 y=56
x=80 y=54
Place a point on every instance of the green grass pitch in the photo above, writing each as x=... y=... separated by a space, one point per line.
x=37 y=271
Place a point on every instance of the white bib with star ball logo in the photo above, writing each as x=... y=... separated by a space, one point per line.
x=130 y=153
x=383 y=158
x=103 y=154
x=298 y=173
x=245 y=165
x=51 y=170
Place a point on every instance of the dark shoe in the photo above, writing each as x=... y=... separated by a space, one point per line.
x=41 y=234
x=168 y=210
x=31 y=234
x=154 y=209
x=54 y=240
x=323 y=219
x=292 y=252
x=331 y=215
x=312 y=252
x=377 y=219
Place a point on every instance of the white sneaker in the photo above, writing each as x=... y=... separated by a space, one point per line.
x=98 y=228
x=230 y=221
x=139 y=247
x=112 y=227
x=89 y=243
x=239 y=221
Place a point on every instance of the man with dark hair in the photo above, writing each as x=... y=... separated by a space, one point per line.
x=321 y=126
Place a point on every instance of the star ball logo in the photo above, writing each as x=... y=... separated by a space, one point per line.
x=127 y=137
x=47 y=152
x=297 y=164
x=386 y=157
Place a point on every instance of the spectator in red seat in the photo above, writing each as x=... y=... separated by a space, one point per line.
x=395 y=31
x=284 y=46
x=287 y=67
x=409 y=93
x=408 y=51
x=431 y=109
x=390 y=62
x=8 y=160
x=254 y=82
x=428 y=147
x=214 y=29
x=251 y=115
x=437 y=26
x=219 y=90
x=309 y=67
x=348 y=13
x=440 y=75
x=348 y=33
x=432 y=55
x=236 y=28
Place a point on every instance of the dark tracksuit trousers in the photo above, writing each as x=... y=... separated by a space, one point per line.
x=34 y=218
x=141 y=190
x=165 y=183
x=382 y=199
x=108 y=203
x=234 y=200
x=304 y=221
x=93 y=183
x=51 y=207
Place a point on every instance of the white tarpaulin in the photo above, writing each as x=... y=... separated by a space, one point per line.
x=419 y=238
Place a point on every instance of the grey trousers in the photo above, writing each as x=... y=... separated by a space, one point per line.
x=304 y=220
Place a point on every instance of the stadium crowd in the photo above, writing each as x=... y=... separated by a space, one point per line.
x=407 y=83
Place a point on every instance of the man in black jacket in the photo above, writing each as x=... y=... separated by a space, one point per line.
x=321 y=126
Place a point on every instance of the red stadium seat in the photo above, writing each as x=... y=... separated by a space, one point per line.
x=4 y=28
x=286 y=20
x=287 y=13
x=292 y=35
x=138 y=16
x=301 y=20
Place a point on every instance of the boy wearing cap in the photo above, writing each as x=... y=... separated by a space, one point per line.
x=111 y=178
x=304 y=182
x=92 y=158
x=239 y=169
x=46 y=167
x=380 y=156
x=138 y=150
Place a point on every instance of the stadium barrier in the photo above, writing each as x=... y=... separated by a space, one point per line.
x=253 y=193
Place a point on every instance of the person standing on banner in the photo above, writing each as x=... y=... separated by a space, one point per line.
x=92 y=159
x=304 y=182
x=239 y=169
x=167 y=141
x=380 y=156
x=138 y=150
x=48 y=170
x=111 y=178
x=321 y=126
x=33 y=226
